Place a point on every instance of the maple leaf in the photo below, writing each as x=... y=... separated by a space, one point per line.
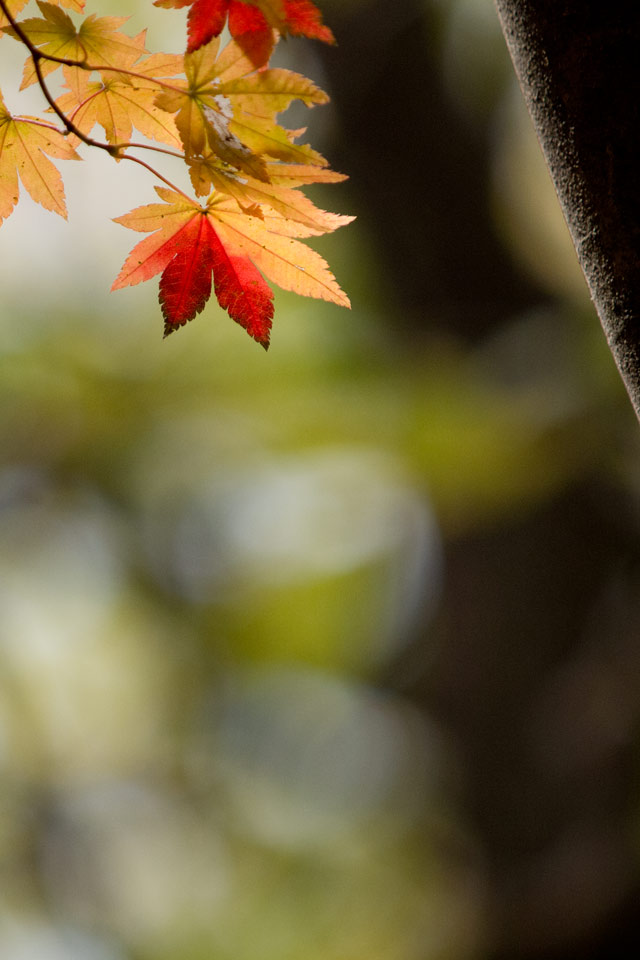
x=24 y=141
x=202 y=117
x=191 y=242
x=96 y=40
x=256 y=99
x=251 y=23
x=300 y=18
x=225 y=106
x=119 y=102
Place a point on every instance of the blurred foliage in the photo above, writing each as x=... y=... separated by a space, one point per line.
x=270 y=629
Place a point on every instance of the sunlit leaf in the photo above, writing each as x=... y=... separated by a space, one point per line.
x=251 y=23
x=97 y=40
x=24 y=141
x=191 y=242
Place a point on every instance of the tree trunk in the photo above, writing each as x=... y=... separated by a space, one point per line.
x=578 y=62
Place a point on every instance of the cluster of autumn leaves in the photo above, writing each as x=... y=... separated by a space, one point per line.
x=214 y=107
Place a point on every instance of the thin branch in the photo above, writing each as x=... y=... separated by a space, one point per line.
x=129 y=145
x=101 y=68
x=151 y=146
x=40 y=123
x=69 y=124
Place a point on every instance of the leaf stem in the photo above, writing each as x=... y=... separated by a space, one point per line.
x=147 y=166
x=39 y=123
x=101 y=68
x=151 y=146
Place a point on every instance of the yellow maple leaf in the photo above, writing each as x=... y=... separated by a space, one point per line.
x=24 y=141
x=229 y=107
x=119 y=102
x=97 y=40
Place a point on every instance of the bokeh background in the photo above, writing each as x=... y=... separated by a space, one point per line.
x=330 y=653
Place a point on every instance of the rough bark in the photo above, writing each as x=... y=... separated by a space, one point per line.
x=578 y=62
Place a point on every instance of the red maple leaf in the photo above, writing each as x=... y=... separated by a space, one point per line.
x=191 y=242
x=251 y=23
x=187 y=250
x=185 y=284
